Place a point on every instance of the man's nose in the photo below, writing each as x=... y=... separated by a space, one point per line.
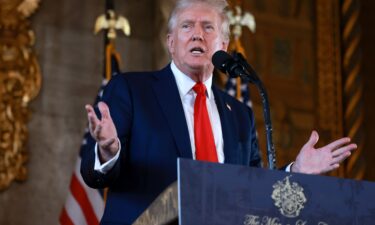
x=197 y=34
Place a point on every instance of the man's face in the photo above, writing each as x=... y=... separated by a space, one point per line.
x=194 y=39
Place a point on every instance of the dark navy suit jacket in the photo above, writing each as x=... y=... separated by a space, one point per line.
x=148 y=113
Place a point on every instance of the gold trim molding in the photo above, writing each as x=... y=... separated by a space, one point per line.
x=329 y=68
x=20 y=82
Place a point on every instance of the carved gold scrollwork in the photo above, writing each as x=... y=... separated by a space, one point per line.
x=355 y=166
x=20 y=82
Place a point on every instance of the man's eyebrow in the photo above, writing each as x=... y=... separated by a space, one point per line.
x=186 y=21
x=207 y=22
x=192 y=21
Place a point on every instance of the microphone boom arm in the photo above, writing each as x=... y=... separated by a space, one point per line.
x=249 y=75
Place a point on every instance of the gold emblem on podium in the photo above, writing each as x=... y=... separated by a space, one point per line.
x=288 y=197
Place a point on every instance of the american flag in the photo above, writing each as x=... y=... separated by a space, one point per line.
x=84 y=205
x=231 y=89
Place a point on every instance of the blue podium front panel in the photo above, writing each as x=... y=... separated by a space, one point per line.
x=222 y=194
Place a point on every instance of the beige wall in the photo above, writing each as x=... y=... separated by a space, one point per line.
x=70 y=57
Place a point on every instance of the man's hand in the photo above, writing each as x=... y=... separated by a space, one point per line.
x=103 y=131
x=313 y=160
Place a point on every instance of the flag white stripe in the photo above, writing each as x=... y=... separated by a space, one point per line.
x=95 y=198
x=74 y=211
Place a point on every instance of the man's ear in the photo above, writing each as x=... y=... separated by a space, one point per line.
x=170 y=43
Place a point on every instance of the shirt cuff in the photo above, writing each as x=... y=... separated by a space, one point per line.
x=105 y=167
x=289 y=167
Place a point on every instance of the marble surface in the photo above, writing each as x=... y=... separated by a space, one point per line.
x=163 y=210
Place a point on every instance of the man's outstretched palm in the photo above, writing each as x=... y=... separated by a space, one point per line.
x=313 y=160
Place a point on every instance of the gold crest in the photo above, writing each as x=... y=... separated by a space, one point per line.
x=288 y=197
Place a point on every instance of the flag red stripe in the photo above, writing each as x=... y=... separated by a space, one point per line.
x=64 y=218
x=80 y=195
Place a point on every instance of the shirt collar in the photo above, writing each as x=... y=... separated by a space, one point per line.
x=185 y=83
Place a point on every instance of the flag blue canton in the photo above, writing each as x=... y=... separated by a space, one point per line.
x=231 y=89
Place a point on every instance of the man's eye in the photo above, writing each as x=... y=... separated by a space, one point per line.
x=209 y=28
x=185 y=26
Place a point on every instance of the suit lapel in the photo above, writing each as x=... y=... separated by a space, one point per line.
x=166 y=92
x=226 y=119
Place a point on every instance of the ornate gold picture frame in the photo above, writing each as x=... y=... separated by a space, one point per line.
x=20 y=82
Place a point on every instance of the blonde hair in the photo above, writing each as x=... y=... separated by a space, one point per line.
x=219 y=5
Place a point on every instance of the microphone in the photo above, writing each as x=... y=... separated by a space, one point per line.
x=234 y=66
x=237 y=66
x=226 y=64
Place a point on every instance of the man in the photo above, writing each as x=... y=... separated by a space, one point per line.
x=150 y=119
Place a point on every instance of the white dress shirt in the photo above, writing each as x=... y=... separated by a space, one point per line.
x=185 y=87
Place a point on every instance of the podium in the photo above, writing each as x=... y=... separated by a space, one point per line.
x=218 y=194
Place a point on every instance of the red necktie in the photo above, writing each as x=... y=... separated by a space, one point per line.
x=204 y=139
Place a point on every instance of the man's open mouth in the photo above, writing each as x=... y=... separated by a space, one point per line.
x=197 y=50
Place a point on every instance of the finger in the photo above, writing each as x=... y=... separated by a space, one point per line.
x=341 y=158
x=344 y=149
x=97 y=132
x=104 y=110
x=331 y=167
x=336 y=144
x=314 y=138
x=91 y=117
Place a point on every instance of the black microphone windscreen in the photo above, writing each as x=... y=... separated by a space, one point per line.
x=219 y=59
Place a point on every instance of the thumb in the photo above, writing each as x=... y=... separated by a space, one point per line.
x=314 y=138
